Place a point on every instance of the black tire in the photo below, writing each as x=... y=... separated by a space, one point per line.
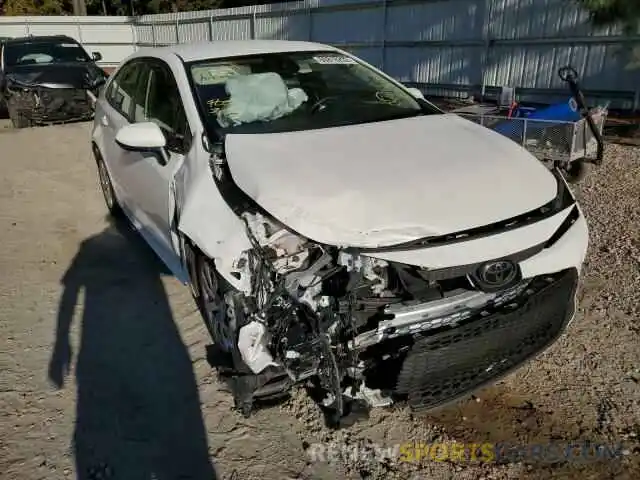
x=576 y=171
x=107 y=187
x=4 y=111
x=18 y=118
x=190 y=263
x=208 y=289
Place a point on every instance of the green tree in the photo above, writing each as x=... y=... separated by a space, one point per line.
x=611 y=12
x=35 y=7
x=625 y=13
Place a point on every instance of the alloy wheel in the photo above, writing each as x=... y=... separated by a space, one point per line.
x=105 y=184
x=214 y=308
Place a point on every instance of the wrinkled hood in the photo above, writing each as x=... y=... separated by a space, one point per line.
x=76 y=74
x=384 y=183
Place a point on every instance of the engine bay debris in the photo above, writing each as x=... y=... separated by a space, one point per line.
x=335 y=319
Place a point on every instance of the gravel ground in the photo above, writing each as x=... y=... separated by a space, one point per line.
x=97 y=338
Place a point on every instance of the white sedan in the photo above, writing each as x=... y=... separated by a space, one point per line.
x=335 y=227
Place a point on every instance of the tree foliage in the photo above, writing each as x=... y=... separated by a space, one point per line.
x=35 y=7
x=611 y=12
x=118 y=7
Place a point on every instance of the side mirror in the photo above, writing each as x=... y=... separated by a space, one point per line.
x=97 y=56
x=416 y=93
x=143 y=137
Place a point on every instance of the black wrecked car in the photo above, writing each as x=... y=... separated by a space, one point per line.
x=48 y=79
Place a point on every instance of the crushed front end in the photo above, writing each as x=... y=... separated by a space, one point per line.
x=360 y=328
x=44 y=104
x=39 y=103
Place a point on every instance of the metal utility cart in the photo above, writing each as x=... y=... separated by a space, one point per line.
x=566 y=135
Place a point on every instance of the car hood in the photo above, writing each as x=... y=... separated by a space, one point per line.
x=384 y=183
x=75 y=74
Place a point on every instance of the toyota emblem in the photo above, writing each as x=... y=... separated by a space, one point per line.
x=497 y=274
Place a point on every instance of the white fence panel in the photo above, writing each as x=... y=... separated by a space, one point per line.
x=444 y=46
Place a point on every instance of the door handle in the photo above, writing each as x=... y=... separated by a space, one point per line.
x=104 y=120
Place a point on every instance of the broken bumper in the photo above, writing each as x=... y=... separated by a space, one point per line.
x=441 y=367
x=44 y=105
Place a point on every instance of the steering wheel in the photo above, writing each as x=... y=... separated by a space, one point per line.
x=323 y=101
x=568 y=74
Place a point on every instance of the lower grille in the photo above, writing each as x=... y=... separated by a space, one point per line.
x=52 y=105
x=62 y=105
x=445 y=366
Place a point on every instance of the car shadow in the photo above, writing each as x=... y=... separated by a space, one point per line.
x=138 y=410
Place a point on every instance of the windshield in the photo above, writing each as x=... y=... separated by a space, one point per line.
x=43 y=52
x=284 y=92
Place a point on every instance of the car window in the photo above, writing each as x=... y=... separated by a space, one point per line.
x=290 y=91
x=164 y=107
x=44 y=51
x=140 y=93
x=124 y=88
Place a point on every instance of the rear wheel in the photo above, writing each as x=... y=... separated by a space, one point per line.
x=107 y=187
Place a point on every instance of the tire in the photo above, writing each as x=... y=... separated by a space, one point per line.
x=576 y=171
x=190 y=263
x=224 y=355
x=107 y=187
x=208 y=289
x=18 y=118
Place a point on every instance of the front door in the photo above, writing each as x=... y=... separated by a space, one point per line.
x=147 y=176
x=145 y=91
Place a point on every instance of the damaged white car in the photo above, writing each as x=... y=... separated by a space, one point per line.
x=336 y=228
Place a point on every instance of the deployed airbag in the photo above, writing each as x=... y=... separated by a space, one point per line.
x=259 y=97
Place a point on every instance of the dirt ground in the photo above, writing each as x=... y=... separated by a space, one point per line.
x=104 y=375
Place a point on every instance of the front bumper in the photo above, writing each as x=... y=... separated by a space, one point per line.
x=441 y=367
x=43 y=105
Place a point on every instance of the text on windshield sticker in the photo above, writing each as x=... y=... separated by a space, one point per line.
x=334 y=60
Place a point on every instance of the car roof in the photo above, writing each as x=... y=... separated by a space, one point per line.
x=40 y=38
x=190 y=52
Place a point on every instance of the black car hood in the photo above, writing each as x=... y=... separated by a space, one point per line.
x=76 y=75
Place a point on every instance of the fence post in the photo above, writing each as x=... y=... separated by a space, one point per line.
x=384 y=34
x=134 y=34
x=252 y=24
x=486 y=31
x=177 y=30
x=310 y=20
x=211 y=28
x=79 y=31
x=153 y=33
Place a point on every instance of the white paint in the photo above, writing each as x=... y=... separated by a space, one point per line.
x=252 y=343
x=365 y=185
x=384 y=183
x=144 y=135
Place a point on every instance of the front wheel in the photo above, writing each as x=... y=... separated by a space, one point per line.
x=208 y=289
x=18 y=117
x=576 y=171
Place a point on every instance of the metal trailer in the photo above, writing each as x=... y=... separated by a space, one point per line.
x=570 y=145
